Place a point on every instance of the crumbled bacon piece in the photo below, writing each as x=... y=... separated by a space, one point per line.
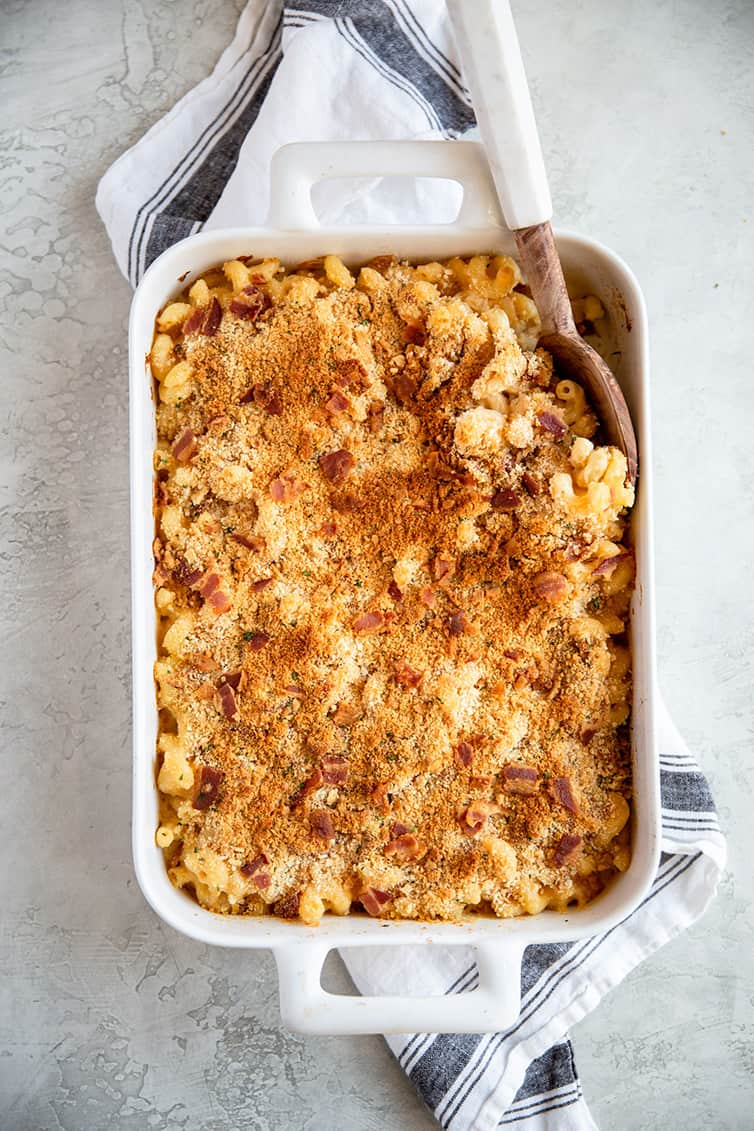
x=233 y=678
x=475 y=816
x=264 y=395
x=336 y=403
x=262 y=880
x=415 y=335
x=459 y=623
x=210 y=584
x=464 y=753
x=560 y=790
x=256 y=641
x=406 y=676
x=530 y=483
x=250 y=303
x=586 y=735
x=351 y=374
x=334 y=769
x=607 y=565
x=373 y=900
x=250 y=541
x=550 y=587
x=513 y=653
x=368 y=623
x=394 y=592
x=428 y=597
x=311 y=785
x=294 y=689
x=184 y=574
x=404 y=387
x=185 y=446
x=443 y=568
x=321 y=824
x=406 y=847
x=399 y=829
x=287 y=907
x=375 y=416
x=328 y=529
x=345 y=714
x=213 y=319
x=506 y=499
x=251 y=866
x=261 y=584
x=567 y=850
x=219 y=601
x=337 y=465
x=523 y=780
x=552 y=424
x=286 y=488
x=194 y=320
x=228 y=704
x=207 y=788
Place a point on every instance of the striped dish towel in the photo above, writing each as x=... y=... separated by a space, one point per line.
x=339 y=69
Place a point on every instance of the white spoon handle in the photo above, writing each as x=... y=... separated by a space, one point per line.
x=494 y=71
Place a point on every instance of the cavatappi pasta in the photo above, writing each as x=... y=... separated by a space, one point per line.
x=393 y=589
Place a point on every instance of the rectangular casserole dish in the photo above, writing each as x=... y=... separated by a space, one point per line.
x=293 y=234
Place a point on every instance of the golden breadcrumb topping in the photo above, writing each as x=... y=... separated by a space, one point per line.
x=393 y=595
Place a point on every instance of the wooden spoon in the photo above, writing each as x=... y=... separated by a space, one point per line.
x=494 y=70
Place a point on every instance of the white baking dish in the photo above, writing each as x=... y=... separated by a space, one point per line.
x=294 y=234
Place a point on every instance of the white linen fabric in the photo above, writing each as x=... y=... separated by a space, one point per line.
x=369 y=69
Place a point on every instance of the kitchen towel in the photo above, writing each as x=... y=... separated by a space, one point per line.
x=367 y=69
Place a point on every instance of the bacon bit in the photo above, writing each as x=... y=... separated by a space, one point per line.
x=428 y=597
x=262 y=880
x=506 y=499
x=406 y=676
x=406 y=847
x=321 y=824
x=266 y=397
x=459 y=623
x=351 y=374
x=213 y=319
x=372 y=900
x=328 y=529
x=368 y=623
x=530 y=484
x=185 y=575
x=262 y=584
x=251 y=542
x=400 y=829
x=382 y=262
x=404 y=388
x=287 y=907
x=257 y=641
x=415 y=335
x=208 y=787
x=523 y=780
x=394 y=591
x=286 y=488
x=185 y=446
x=228 y=704
x=250 y=867
x=607 y=565
x=337 y=465
x=513 y=653
x=464 y=753
x=251 y=305
x=476 y=815
x=552 y=424
x=334 y=769
x=443 y=568
x=233 y=678
x=336 y=403
x=311 y=785
x=345 y=714
x=587 y=734
x=210 y=584
x=560 y=790
x=294 y=689
x=220 y=601
x=375 y=416
x=567 y=850
x=194 y=320
x=550 y=587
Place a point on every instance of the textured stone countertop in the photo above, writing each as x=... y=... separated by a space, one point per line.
x=108 y=1018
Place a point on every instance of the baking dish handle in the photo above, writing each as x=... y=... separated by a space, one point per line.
x=297 y=167
x=306 y=1007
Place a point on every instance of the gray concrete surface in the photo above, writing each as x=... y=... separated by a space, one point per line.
x=107 y=1017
